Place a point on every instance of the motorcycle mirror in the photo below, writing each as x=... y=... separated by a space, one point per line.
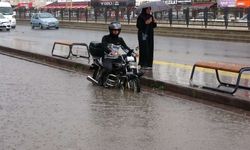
x=137 y=48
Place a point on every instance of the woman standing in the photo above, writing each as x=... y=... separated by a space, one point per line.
x=146 y=24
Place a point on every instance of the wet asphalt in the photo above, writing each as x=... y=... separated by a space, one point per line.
x=47 y=108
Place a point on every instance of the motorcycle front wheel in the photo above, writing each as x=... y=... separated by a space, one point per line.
x=134 y=85
x=99 y=75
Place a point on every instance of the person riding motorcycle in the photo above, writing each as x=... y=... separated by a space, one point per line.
x=108 y=64
x=113 y=38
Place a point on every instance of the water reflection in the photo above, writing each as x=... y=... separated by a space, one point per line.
x=123 y=117
x=121 y=108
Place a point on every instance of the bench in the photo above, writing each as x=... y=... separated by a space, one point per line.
x=222 y=66
x=71 y=48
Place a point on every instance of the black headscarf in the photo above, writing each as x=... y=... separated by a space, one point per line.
x=144 y=14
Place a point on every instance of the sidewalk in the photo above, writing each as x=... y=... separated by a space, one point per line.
x=168 y=77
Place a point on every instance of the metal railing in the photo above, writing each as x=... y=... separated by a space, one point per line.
x=204 y=18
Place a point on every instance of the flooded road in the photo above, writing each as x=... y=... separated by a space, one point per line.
x=44 y=108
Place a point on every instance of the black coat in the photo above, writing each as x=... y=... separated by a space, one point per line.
x=146 y=43
x=110 y=39
x=116 y=40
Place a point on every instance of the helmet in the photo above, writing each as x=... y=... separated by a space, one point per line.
x=115 y=26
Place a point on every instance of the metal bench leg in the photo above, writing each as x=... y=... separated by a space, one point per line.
x=218 y=76
x=241 y=71
x=192 y=74
x=70 y=51
x=223 y=83
x=237 y=83
x=52 y=52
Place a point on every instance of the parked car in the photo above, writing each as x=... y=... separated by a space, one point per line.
x=231 y=17
x=4 y=23
x=200 y=16
x=180 y=16
x=44 y=21
x=7 y=10
x=243 y=19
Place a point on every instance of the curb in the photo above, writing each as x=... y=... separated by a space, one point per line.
x=146 y=81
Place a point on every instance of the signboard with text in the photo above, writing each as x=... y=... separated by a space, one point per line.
x=106 y=3
x=171 y=2
x=227 y=3
x=234 y=3
x=183 y=1
x=243 y=3
x=63 y=1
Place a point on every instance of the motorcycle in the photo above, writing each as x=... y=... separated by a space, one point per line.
x=117 y=69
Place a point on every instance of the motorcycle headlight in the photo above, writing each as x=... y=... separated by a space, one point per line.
x=130 y=58
x=132 y=64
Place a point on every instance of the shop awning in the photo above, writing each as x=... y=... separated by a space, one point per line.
x=73 y=5
x=203 y=5
x=24 y=5
x=243 y=3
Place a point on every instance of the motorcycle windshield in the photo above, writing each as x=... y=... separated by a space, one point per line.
x=117 y=48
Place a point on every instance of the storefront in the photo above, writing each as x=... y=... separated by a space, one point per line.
x=113 y=9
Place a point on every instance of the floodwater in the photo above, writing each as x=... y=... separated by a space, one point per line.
x=44 y=108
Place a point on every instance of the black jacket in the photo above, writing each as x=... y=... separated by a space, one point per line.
x=111 y=39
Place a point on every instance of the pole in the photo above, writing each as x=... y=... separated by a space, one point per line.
x=205 y=16
x=226 y=17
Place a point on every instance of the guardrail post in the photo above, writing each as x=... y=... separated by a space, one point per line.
x=128 y=14
x=170 y=16
x=187 y=16
x=70 y=12
x=95 y=13
x=248 y=18
x=105 y=14
x=117 y=13
x=226 y=17
x=86 y=14
x=61 y=13
x=205 y=15
x=78 y=14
